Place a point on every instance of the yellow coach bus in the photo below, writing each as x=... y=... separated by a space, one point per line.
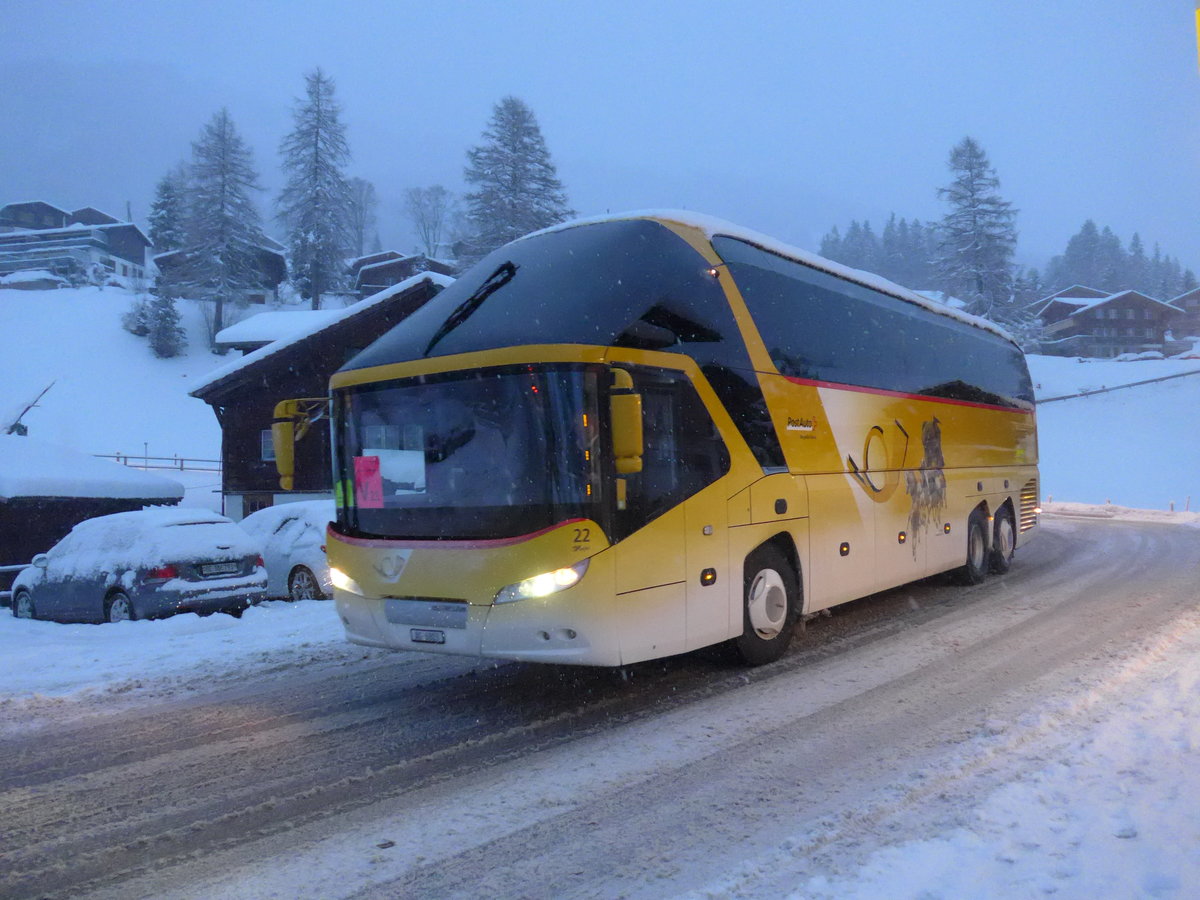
x=628 y=438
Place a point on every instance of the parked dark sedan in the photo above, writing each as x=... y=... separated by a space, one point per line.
x=141 y=565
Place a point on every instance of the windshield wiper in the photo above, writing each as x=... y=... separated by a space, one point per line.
x=498 y=279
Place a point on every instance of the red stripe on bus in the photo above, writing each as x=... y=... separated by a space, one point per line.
x=450 y=545
x=808 y=382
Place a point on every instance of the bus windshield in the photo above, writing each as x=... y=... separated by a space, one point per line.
x=485 y=454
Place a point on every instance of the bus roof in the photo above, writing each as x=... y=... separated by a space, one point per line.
x=712 y=226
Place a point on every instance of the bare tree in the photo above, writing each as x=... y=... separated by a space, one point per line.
x=432 y=211
x=363 y=218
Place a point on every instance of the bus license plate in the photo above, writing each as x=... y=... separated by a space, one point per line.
x=427 y=636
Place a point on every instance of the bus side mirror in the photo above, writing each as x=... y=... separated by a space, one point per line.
x=283 y=436
x=626 y=413
x=41 y=561
x=291 y=422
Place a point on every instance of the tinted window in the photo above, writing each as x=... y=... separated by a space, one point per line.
x=627 y=283
x=819 y=327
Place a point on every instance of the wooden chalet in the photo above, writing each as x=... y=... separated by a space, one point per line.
x=1105 y=326
x=269 y=262
x=1189 y=323
x=379 y=271
x=243 y=394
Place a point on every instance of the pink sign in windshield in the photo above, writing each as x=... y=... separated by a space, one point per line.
x=368 y=483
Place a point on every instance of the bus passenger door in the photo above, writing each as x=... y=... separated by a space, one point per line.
x=662 y=549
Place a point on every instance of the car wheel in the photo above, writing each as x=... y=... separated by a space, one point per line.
x=976 y=566
x=22 y=605
x=769 y=592
x=303 y=585
x=118 y=608
x=1004 y=542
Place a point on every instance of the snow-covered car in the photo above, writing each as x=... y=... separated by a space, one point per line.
x=142 y=565
x=293 y=540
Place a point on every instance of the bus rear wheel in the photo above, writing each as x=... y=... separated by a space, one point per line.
x=976 y=567
x=1004 y=541
x=768 y=609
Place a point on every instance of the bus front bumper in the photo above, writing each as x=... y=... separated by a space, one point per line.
x=546 y=630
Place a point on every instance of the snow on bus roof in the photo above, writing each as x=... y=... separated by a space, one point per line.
x=713 y=226
x=31 y=468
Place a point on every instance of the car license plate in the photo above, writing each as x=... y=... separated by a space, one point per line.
x=220 y=568
x=427 y=636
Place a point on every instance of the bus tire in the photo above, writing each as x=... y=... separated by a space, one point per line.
x=976 y=567
x=768 y=608
x=1004 y=541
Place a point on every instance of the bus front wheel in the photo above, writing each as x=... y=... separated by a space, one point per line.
x=768 y=608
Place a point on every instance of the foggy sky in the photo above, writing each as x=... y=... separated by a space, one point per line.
x=785 y=117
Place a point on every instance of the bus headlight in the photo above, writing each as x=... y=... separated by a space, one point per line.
x=343 y=582
x=543 y=585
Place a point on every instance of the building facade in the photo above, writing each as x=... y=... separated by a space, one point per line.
x=84 y=246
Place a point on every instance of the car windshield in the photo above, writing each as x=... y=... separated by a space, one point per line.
x=494 y=453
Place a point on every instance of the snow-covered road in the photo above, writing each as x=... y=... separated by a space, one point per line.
x=916 y=743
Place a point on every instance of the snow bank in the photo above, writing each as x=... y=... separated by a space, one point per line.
x=159 y=657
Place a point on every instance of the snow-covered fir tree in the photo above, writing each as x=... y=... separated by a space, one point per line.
x=977 y=235
x=363 y=216
x=516 y=186
x=315 y=201
x=166 y=334
x=168 y=211
x=223 y=230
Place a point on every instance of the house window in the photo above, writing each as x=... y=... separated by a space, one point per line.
x=1130 y=313
x=1149 y=332
x=1112 y=313
x=1146 y=314
x=267 y=445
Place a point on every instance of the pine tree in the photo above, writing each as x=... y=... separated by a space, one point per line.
x=167 y=337
x=1138 y=266
x=978 y=236
x=516 y=185
x=223 y=230
x=168 y=211
x=831 y=245
x=362 y=220
x=315 y=201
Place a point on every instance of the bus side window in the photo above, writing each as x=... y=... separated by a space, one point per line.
x=683 y=452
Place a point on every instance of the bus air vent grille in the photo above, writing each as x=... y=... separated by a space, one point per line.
x=1029 y=502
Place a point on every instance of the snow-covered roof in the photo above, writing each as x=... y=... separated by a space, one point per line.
x=274 y=326
x=712 y=227
x=1125 y=295
x=30 y=468
x=340 y=315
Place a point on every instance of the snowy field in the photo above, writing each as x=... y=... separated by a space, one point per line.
x=1065 y=828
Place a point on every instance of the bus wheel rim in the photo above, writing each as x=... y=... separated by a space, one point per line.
x=766 y=604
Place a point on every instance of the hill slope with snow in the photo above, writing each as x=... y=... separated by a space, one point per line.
x=110 y=394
